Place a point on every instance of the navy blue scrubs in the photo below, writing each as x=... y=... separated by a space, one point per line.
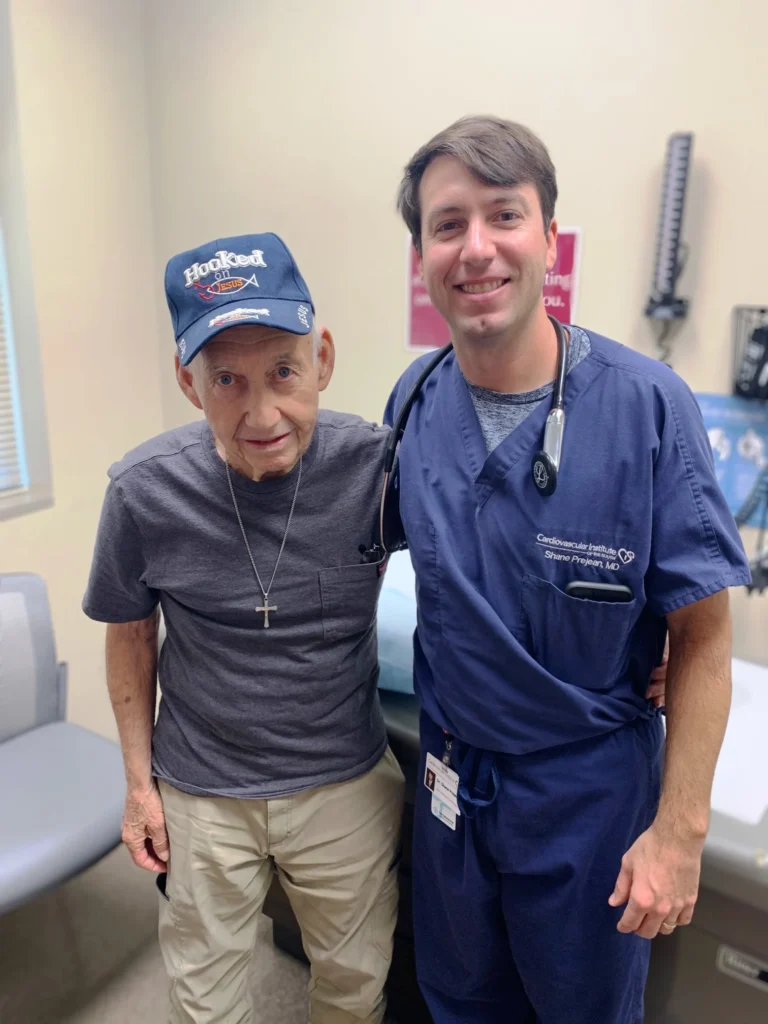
x=542 y=693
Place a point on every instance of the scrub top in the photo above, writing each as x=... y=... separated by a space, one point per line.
x=504 y=659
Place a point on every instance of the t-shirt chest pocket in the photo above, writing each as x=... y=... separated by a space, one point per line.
x=349 y=594
x=578 y=641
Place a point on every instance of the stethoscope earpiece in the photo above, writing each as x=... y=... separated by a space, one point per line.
x=544 y=473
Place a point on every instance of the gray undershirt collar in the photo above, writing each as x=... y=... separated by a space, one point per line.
x=500 y=413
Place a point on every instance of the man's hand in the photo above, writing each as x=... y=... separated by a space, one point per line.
x=144 y=829
x=659 y=882
x=658 y=685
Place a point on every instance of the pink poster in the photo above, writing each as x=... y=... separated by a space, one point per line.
x=426 y=329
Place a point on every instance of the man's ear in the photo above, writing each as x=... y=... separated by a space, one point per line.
x=186 y=383
x=419 y=264
x=552 y=245
x=326 y=358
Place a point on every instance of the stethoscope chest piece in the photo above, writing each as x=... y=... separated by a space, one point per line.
x=544 y=473
x=546 y=463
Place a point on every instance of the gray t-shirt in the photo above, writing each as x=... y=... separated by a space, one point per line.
x=500 y=413
x=248 y=711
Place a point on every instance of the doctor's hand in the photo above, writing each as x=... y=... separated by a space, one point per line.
x=144 y=830
x=658 y=685
x=659 y=882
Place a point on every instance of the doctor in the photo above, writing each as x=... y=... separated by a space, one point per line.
x=555 y=843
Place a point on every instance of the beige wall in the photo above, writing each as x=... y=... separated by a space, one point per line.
x=298 y=117
x=81 y=108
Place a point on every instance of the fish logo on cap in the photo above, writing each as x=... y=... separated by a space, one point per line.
x=223 y=286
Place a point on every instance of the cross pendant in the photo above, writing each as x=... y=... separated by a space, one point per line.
x=267 y=608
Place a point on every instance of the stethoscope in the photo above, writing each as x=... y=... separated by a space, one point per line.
x=544 y=467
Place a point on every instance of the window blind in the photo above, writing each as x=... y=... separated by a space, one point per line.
x=12 y=474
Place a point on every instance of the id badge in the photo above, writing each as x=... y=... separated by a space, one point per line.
x=443 y=784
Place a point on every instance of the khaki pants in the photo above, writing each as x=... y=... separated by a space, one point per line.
x=335 y=849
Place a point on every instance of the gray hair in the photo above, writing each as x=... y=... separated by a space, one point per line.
x=495 y=151
x=317 y=340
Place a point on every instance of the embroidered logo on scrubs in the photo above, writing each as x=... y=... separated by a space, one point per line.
x=583 y=552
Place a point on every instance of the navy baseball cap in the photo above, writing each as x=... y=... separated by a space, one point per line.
x=246 y=279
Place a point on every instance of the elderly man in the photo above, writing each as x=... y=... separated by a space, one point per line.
x=269 y=746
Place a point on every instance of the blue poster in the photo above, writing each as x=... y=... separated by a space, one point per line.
x=738 y=433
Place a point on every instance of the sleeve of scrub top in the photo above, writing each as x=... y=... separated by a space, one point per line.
x=390 y=411
x=402 y=388
x=696 y=549
x=116 y=589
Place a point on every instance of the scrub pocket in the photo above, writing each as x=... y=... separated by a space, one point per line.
x=578 y=641
x=349 y=594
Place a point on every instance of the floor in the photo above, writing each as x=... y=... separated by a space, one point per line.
x=87 y=953
x=139 y=992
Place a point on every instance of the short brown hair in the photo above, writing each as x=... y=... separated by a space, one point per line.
x=497 y=152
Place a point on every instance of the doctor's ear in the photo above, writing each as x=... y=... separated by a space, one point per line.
x=419 y=264
x=186 y=382
x=552 y=244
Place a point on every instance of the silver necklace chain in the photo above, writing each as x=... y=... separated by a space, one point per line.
x=265 y=593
